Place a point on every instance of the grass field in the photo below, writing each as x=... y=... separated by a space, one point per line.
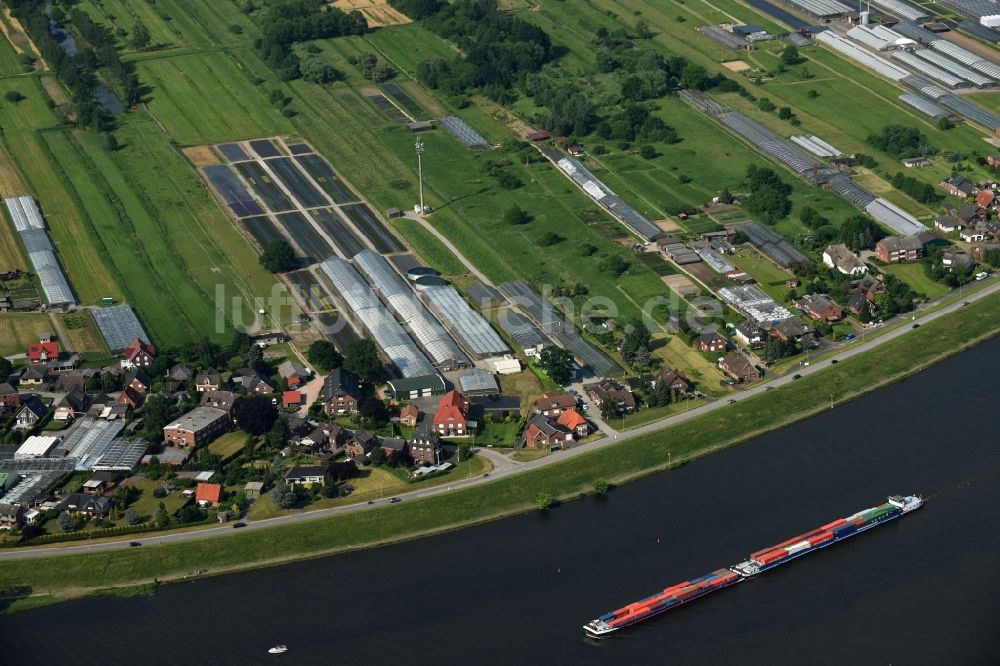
x=17 y=331
x=643 y=416
x=914 y=275
x=682 y=357
x=146 y=504
x=83 y=333
x=852 y=378
x=228 y=443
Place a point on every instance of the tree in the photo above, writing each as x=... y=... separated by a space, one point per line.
x=696 y=77
x=556 y=362
x=515 y=215
x=647 y=152
x=550 y=238
x=140 y=37
x=600 y=486
x=544 y=501
x=790 y=55
x=858 y=232
x=785 y=113
x=361 y=357
x=279 y=256
x=6 y=367
x=377 y=456
x=277 y=436
x=13 y=96
x=464 y=451
x=132 y=516
x=156 y=413
x=254 y=414
x=283 y=495
x=374 y=409
x=324 y=355
x=318 y=71
x=812 y=94
x=609 y=408
x=68 y=522
x=160 y=517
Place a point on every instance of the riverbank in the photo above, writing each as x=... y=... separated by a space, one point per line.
x=75 y=575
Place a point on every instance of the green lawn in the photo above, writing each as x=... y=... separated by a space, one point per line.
x=227 y=444
x=19 y=330
x=83 y=332
x=641 y=417
x=851 y=379
x=146 y=504
x=913 y=274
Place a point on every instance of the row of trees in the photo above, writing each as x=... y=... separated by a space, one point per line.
x=917 y=189
x=101 y=53
x=901 y=141
x=286 y=23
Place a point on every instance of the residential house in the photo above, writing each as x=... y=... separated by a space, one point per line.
x=969 y=213
x=223 y=400
x=425 y=445
x=292 y=399
x=75 y=403
x=840 y=257
x=210 y=380
x=80 y=504
x=993 y=160
x=793 y=328
x=542 y=431
x=31 y=412
x=289 y=369
x=139 y=354
x=971 y=235
x=131 y=398
x=496 y=406
x=361 y=444
x=68 y=381
x=409 y=415
x=990 y=227
x=749 y=334
x=452 y=415
x=181 y=372
x=11 y=516
x=606 y=388
x=306 y=475
x=35 y=375
x=712 y=341
x=984 y=199
x=10 y=399
x=947 y=224
x=959 y=186
x=554 y=403
x=738 y=365
x=341 y=392
x=395 y=448
x=101 y=482
x=251 y=381
x=138 y=381
x=915 y=162
x=952 y=260
x=253 y=489
x=208 y=494
x=899 y=248
x=674 y=380
x=199 y=426
x=820 y=307
x=574 y=422
x=43 y=352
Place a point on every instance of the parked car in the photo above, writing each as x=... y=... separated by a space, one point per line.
x=393 y=500
x=794 y=377
x=916 y=326
x=239 y=524
x=834 y=361
x=850 y=336
x=732 y=401
x=134 y=544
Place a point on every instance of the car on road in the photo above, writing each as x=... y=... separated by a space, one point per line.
x=134 y=544
x=850 y=336
x=239 y=525
x=834 y=361
x=964 y=303
x=768 y=388
x=732 y=401
x=916 y=326
x=486 y=475
x=794 y=377
x=393 y=500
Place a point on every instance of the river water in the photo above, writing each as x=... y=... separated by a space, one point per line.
x=924 y=589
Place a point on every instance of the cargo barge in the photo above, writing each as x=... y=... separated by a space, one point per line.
x=758 y=562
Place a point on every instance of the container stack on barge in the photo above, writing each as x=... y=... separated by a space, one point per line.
x=759 y=562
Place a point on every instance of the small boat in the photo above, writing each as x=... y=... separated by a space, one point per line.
x=278 y=649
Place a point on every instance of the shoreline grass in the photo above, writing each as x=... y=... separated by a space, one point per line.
x=77 y=575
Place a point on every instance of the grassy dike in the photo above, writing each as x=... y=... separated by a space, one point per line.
x=76 y=575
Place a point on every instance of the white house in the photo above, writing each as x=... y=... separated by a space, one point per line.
x=839 y=257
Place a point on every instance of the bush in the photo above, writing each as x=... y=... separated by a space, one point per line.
x=544 y=501
x=279 y=256
x=647 y=152
x=13 y=96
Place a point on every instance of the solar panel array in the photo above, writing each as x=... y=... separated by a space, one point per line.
x=467 y=136
x=403 y=301
x=385 y=331
x=862 y=56
x=468 y=326
x=924 y=106
x=894 y=217
x=604 y=195
x=947 y=64
x=928 y=69
x=119 y=326
x=773 y=244
x=31 y=227
x=557 y=327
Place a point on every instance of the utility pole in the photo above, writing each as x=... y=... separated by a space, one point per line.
x=420 y=175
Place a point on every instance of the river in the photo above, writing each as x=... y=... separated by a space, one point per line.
x=924 y=589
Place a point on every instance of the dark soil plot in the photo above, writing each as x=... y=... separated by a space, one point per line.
x=265 y=188
x=232 y=191
x=403 y=99
x=262 y=229
x=380 y=102
x=300 y=149
x=346 y=240
x=264 y=148
x=306 y=236
x=232 y=152
x=296 y=182
x=371 y=226
x=404 y=262
x=317 y=167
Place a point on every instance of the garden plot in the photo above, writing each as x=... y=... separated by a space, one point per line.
x=297 y=183
x=265 y=187
x=368 y=223
x=305 y=235
x=321 y=172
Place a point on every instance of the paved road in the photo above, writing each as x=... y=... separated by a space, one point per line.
x=502 y=469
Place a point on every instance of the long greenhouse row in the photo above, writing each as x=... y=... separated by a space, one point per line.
x=465 y=324
x=31 y=227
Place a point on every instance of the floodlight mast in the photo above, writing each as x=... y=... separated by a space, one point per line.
x=421 y=210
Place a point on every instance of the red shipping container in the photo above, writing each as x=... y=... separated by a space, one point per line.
x=836 y=523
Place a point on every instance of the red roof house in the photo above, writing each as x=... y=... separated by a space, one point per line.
x=984 y=199
x=43 y=352
x=574 y=422
x=291 y=399
x=294 y=381
x=408 y=415
x=208 y=494
x=138 y=355
x=452 y=415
